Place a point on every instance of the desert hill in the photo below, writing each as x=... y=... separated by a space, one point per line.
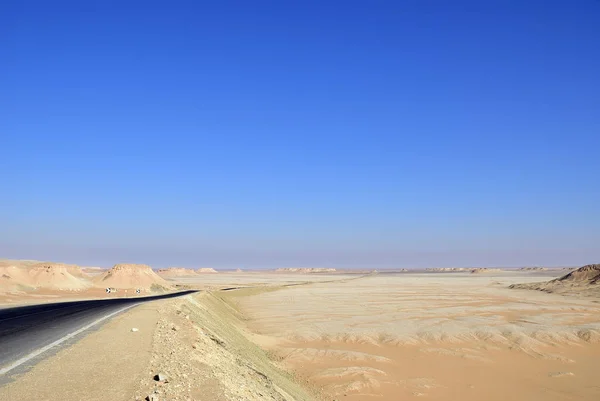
x=132 y=276
x=463 y=269
x=485 y=270
x=589 y=274
x=206 y=270
x=449 y=269
x=583 y=281
x=175 y=272
x=305 y=270
x=47 y=275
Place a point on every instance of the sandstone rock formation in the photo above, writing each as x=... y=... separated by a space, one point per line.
x=449 y=269
x=132 y=276
x=46 y=275
x=583 y=281
x=206 y=270
x=176 y=272
x=485 y=270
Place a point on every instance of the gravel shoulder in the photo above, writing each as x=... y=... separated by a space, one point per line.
x=107 y=364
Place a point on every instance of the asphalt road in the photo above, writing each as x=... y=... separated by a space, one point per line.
x=26 y=330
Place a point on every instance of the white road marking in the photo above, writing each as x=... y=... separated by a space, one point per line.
x=39 y=351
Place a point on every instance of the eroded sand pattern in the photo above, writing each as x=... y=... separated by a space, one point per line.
x=434 y=336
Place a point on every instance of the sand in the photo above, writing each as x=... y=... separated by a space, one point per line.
x=387 y=336
x=438 y=336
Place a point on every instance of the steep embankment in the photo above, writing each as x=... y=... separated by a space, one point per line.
x=583 y=281
x=200 y=347
x=132 y=276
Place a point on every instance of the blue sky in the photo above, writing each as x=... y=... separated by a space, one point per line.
x=331 y=133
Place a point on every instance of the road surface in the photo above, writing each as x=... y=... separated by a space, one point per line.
x=27 y=332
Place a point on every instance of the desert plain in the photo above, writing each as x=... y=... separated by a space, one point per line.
x=301 y=334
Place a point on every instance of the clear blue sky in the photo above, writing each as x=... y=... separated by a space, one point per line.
x=301 y=133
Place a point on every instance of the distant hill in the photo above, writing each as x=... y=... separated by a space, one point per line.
x=132 y=276
x=584 y=281
x=305 y=270
x=176 y=272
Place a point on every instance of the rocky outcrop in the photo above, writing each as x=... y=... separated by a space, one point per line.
x=206 y=270
x=588 y=274
x=449 y=269
x=132 y=276
x=46 y=275
x=583 y=281
x=176 y=272
x=485 y=270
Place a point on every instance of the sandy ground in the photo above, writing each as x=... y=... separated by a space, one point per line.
x=253 y=279
x=98 y=367
x=198 y=342
x=438 y=336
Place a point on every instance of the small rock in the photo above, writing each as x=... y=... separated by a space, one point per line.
x=561 y=374
x=175 y=327
x=160 y=377
x=152 y=397
x=135 y=329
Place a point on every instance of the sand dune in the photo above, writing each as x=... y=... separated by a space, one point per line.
x=132 y=276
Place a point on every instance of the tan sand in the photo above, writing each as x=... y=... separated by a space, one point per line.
x=437 y=336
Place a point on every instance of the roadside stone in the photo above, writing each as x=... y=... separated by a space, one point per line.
x=135 y=329
x=560 y=374
x=152 y=397
x=160 y=377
